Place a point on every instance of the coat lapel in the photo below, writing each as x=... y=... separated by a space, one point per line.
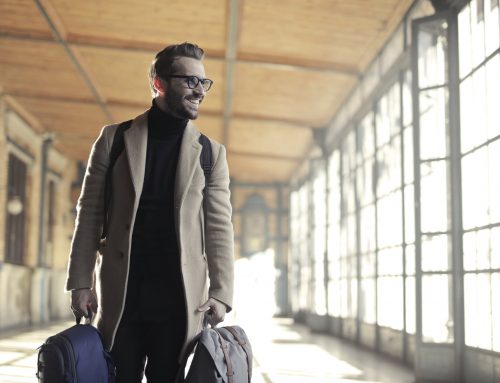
x=136 y=140
x=189 y=158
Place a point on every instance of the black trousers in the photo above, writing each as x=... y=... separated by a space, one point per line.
x=155 y=345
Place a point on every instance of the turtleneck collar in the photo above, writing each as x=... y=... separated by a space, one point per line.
x=163 y=125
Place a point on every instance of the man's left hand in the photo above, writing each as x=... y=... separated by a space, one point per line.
x=216 y=311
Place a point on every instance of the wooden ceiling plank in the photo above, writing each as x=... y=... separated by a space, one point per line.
x=59 y=36
x=232 y=31
x=264 y=156
x=148 y=22
x=49 y=11
x=391 y=24
x=21 y=17
x=244 y=58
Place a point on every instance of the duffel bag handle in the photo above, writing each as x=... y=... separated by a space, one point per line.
x=78 y=318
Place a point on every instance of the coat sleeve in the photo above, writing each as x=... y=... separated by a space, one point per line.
x=89 y=217
x=219 y=233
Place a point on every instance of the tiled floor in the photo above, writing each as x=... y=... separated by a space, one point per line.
x=284 y=353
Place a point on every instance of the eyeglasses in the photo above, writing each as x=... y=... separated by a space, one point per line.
x=193 y=81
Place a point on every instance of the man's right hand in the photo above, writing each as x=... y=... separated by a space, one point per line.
x=81 y=300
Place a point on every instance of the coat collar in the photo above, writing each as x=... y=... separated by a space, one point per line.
x=136 y=139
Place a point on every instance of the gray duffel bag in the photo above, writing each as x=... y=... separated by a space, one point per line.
x=221 y=355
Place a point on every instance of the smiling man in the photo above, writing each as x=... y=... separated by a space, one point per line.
x=167 y=258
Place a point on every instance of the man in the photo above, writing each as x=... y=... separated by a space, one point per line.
x=168 y=255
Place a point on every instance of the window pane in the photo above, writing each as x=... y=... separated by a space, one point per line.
x=432 y=49
x=473 y=126
x=388 y=116
x=475 y=189
x=434 y=197
x=408 y=155
x=477 y=29
x=473 y=105
x=435 y=253
x=493 y=95
x=464 y=42
x=365 y=182
x=367 y=229
x=319 y=236
x=477 y=250
x=437 y=318
x=390 y=302
x=492 y=25
x=409 y=214
x=410 y=305
x=389 y=167
x=366 y=137
x=467 y=140
x=367 y=308
x=495 y=308
x=407 y=100
x=410 y=259
x=495 y=248
x=353 y=299
x=344 y=298
x=351 y=244
x=478 y=311
x=349 y=153
x=368 y=265
x=15 y=231
x=390 y=220
x=390 y=261
x=349 y=192
x=334 y=296
x=433 y=120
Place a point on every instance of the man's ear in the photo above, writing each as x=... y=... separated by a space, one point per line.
x=159 y=85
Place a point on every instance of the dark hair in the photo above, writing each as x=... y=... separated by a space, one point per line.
x=164 y=60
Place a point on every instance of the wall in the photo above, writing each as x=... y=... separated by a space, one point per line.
x=33 y=292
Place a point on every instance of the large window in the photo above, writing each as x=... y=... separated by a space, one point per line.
x=304 y=256
x=480 y=147
x=348 y=234
x=388 y=190
x=16 y=211
x=367 y=230
x=334 y=214
x=319 y=237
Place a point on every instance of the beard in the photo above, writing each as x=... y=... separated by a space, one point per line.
x=179 y=106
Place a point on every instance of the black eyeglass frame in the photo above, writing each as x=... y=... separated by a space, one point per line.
x=190 y=80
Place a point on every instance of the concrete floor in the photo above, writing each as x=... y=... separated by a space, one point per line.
x=284 y=353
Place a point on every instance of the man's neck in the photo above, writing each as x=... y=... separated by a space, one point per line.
x=162 y=105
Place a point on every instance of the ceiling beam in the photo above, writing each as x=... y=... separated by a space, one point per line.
x=124 y=104
x=266 y=155
x=232 y=32
x=271 y=61
x=48 y=12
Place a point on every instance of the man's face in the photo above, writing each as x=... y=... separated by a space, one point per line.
x=179 y=99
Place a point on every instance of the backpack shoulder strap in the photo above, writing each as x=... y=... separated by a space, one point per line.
x=118 y=143
x=206 y=156
x=116 y=149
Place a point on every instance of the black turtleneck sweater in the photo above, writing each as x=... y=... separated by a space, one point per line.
x=155 y=283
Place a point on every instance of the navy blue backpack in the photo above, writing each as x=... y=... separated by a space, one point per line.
x=75 y=355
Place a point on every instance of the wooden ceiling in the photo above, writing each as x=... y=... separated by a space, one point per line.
x=281 y=69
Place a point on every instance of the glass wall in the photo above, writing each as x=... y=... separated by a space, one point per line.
x=333 y=240
x=348 y=238
x=318 y=209
x=479 y=43
x=393 y=241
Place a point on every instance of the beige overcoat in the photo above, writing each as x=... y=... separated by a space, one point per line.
x=206 y=246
